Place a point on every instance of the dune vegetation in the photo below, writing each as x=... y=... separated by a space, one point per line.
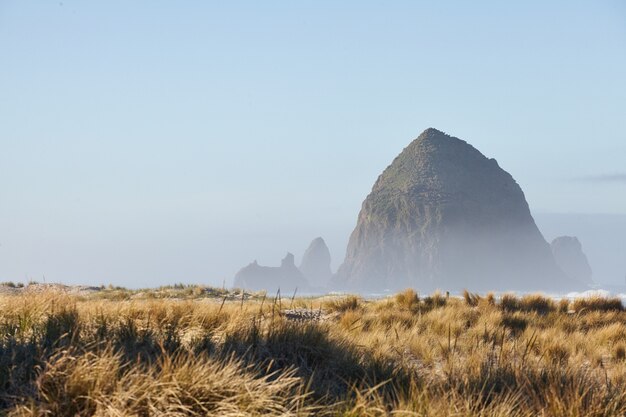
x=193 y=351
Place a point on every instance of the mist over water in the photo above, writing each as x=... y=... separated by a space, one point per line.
x=603 y=237
x=214 y=259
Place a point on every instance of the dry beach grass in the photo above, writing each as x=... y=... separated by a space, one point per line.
x=187 y=351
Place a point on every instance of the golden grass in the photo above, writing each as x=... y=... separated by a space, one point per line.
x=222 y=354
x=408 y=299
x=597 y=303
x=343 y=304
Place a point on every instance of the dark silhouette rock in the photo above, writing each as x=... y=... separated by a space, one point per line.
x=316 y=263
x=442 y=215
x=569 y=256
x=287 y=277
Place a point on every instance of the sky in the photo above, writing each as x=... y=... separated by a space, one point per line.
x=150 y=142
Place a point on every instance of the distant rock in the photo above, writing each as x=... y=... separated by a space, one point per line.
x=287 y=277
x=443 y=215
x=569 y=256
x=315 y=264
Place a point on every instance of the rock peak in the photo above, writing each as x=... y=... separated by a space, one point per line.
x=288 y=260
x=443 y=215
x=569 y=256
x=318 y=241
x=432 y=132
x=315 y=264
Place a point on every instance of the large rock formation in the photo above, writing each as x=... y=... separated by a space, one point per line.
x=287 y=277
x=569 y=256
x=316 y=263
x=442 y=215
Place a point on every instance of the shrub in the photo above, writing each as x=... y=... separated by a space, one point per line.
x=434 y=301
x=528 y=303
x=509 y=302
x=515 y=323
x=11 y=284
x=408 y=299
x=557 y=353
x=340 y=305
x=597 y=303
x=470 y=298
x=537 y=303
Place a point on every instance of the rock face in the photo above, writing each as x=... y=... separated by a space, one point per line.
x=315 y=264
x=442 y=215
x=287 y=277
x=569 y=256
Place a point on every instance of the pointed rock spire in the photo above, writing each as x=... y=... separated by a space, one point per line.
x=316 y=263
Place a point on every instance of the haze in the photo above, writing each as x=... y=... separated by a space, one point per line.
x=147 y=143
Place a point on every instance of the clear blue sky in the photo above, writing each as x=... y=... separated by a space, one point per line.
x=149 y=142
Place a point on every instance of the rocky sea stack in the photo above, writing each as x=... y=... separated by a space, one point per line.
x=569 y=256
x=444 y=216
x=287 y=277
x=316 y=263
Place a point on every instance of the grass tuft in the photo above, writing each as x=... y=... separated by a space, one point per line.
x=343 y=304
x=408 y=299
x=603 y=304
